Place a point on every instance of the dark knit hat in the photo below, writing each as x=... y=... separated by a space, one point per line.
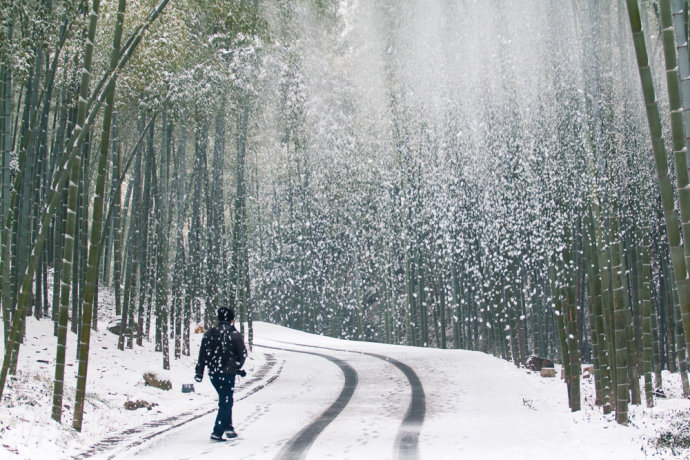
x=225 y=314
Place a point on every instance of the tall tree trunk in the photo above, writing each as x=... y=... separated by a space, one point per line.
x=116 y=225
x=134 y=242
x=70 y=228
x=97 y=222
x=679 y=98
x=6 y=158
x=619 y=320
x=162 y=241
x=654 y=120
x=599 y=344
x=646 y=301
x=240 y=220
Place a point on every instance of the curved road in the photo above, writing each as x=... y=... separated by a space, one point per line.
x=313 y=409
x=309 y=410
x=407 y=440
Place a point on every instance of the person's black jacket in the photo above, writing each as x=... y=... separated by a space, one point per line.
x=222 y=350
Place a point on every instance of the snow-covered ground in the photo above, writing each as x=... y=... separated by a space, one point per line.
x=472 y=406
x=114 y=377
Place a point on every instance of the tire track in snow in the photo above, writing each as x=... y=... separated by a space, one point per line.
x=299 y=445
x=407 y=440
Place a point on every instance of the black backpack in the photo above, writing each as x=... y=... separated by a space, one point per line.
x=219 y=351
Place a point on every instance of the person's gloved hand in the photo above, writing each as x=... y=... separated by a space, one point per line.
x=197 y=378
x=242 y=373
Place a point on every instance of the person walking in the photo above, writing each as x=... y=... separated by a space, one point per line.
x=223 y=352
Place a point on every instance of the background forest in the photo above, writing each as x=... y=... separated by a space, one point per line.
x=452 y=174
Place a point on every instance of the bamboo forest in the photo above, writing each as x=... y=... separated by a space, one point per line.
x=507 y=177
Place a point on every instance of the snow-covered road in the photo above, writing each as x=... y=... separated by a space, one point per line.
x=340 y=399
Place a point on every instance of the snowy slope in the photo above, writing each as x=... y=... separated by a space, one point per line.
x=473 y=406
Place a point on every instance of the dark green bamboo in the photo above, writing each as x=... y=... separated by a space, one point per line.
x=599 y=344
x=682 y=352
x=645 y=297
x=680 y=128
x=162 y=241
x=559 y=298
x=132 y=266
x=619 y=320
x=654 y=120
x=115 y=207
x=70 y=229
x=570 y=319
x=97 y=220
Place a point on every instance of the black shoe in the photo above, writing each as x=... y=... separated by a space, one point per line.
x=217 y=438
x=230 y=433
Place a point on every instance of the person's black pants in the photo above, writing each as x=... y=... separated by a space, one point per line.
x=224 y=385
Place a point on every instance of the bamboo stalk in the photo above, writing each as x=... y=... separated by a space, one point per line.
x=97 y=221
x=665 y=186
